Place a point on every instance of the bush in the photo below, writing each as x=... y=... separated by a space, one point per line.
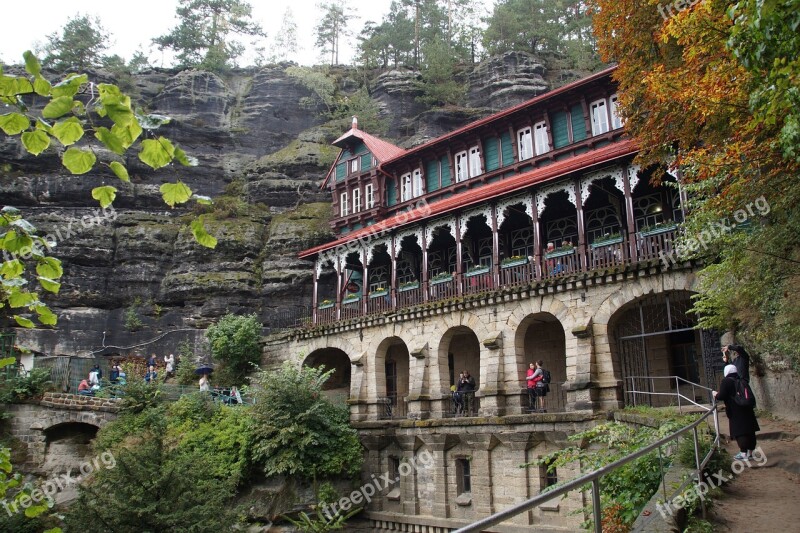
x=235 y=342
x=17 y=388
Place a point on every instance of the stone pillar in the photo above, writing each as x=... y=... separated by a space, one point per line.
x=373 y=466
x=580 y=365
x=492 y=387
x=515 y=487
x=443 y=492
x=481 y=473
x=418 y=401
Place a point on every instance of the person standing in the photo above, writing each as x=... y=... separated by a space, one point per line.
x=205 y=386
x=151 y=375
x=531 y=384
x=742 y=419
x=540 y=386
x=738 y=357
x=169 y=360
x=468 y=390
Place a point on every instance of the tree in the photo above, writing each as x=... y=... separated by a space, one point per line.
x=286 y=39
x=440 y=85
x=235 y=342
x=202 y=38
x=152 y=488
x=299 y=431
x=332 y=27
x=79 y=46
x=696 y=90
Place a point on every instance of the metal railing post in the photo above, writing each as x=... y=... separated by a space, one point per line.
x=596 y=510
x=699 y=469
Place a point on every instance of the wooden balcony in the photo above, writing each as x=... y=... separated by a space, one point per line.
x=647 y=246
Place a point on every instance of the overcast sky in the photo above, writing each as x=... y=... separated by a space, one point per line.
x=132 y=24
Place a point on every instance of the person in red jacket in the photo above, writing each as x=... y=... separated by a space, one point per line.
x=531 y=382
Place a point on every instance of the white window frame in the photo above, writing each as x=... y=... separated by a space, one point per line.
x=356 y=200
x=525 y=143
x=616 y=120
x=600 y=123
x=405 y=187
x=462 y=167
x=353 y=166
x=369 y=196
x=541 y=142
x=475 y=164
x=344 y=206
x=416 y=187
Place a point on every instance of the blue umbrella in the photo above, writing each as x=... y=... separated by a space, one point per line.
x=204 y=369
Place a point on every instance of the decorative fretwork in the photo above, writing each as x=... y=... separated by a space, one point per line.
x=412 y=232
x=526 y=200
x=486 y=211
x=370 y=251
x=633 y=176
x=449 y=222
x=542 y=194
x=614 y=172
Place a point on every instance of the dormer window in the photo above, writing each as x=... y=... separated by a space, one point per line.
x=405 y=187
x=599 y=117
x=462 y=171
x=356 y=200
x=353 y=166
x=344 y=208
x=369 y=196
x=411 y=185
x=616 y=120
x=525 y=143
x=540 y=138
x=417 y=183
x=475 y=166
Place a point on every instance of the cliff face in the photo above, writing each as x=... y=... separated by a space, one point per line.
x=262 y=155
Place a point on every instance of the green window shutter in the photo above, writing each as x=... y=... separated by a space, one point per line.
x=445 y=166
x=507 y=149
x=341 y=171
x=391 y=192
x=560 y=131
x=578 y=124
x=431 y=175
x=491 y=154
x=366 y=161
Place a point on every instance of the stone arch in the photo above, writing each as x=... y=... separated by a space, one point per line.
x=654 y=336
x=67 y=447
x=337 y=387
x=459 y=349
x=541 y=336
x=390 y=375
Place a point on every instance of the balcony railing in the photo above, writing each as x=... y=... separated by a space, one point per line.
x=647 y=246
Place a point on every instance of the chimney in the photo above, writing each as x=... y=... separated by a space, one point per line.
x=355 y=122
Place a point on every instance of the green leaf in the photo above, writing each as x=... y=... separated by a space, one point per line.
x=35 y=142
x=175 y=193
x=120 y=171
x=11 y=269
x=14 y=123
x=49 y=267
x=11 y=86
x=201 y=235
x=78 y=161
x=4 y=362
x=105 y=195
x=204 y=200
x=35 y=510
x=184 y=159
x=156 y=153
x=151 y=122
x=32 y=65
x=111 y=141
x=49 y=285
x=21 y=299
x=128 y=133
x=58 y=107
x=46 y=316
x=41 y=86
x=17 y=242
x=115 y=104
x=70 y=86
x=68 y=131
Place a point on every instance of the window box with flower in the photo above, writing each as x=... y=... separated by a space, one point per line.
x=514 y=260
x=408 y=286
x=326 y=304
x=350 y=298
x=560 y=251
x=477 y=270
x=607 y=240
x=655 y=229
x=443 y=277
x=378 y=292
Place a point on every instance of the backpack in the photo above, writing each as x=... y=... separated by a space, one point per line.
x=545 y=377
x=744 y=395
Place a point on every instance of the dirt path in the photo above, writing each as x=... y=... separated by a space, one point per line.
x=764 y=498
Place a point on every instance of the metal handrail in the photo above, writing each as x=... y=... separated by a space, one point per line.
x=594 y=478
x=677 y=393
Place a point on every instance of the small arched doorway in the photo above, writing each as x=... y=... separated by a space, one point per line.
x=392 y=377
x=337 y=388
x=463 y=353
x=540 y=336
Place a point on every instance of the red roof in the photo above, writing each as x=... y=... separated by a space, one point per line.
x=380 y=149
x=467 y=198
x=506 y=112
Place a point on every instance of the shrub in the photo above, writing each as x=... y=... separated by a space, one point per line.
x=235 y=343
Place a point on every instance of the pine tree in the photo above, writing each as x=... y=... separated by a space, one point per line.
x=79 y=46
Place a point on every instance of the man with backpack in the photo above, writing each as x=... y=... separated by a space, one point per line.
x=740 y=409
x=541 y=382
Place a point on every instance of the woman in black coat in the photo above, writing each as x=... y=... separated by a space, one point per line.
x=743 y=423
